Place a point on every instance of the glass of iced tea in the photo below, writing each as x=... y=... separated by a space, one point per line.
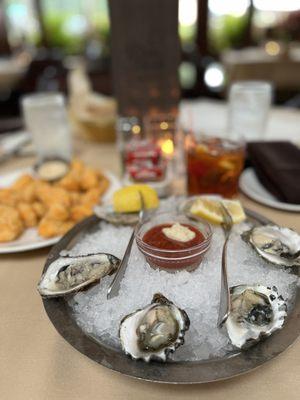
x=214 y=165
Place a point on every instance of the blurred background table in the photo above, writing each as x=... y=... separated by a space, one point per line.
x=254 y=63
x=210 y=116
x=37 y=364
x=204 y=116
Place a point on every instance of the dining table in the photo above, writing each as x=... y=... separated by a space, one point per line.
x=36 y=363
x=256 y=63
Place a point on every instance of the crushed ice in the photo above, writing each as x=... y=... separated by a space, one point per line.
x=197 y=292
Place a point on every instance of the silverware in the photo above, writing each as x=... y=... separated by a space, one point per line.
x=114 y=288
x=224 y=306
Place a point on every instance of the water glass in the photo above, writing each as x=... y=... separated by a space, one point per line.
x=46 y=120
x=249 y=104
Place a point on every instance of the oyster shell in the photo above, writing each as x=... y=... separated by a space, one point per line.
x=107 y=214
x=280 y=246
x=154 y=331
x=256 y=312
x=69 y=274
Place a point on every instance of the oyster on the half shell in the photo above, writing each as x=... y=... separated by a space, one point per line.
x=256 y=312
x=278 y=245
x=69 y=274
x=109 y=215
x=154 y=331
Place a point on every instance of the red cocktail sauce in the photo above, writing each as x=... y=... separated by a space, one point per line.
x=176 y=259
x=156 y=238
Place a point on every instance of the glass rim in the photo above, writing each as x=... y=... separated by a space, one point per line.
x=257 y=85
x=239 y=143
x=43 y=98
x=163 y=256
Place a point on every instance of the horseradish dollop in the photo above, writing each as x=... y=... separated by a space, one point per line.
x=179 y=232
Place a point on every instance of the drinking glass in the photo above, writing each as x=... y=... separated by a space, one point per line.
x=166 y=131
x=249 y=104
x=162 y=129
x=46 y=120
x=128 y=130
x=214 y=165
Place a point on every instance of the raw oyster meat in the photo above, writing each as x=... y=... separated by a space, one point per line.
x=256 y=312
x=277 y=245
x=154 y=331
x=69 y=274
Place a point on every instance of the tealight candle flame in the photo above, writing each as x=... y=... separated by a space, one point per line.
x=167 y=147
x=164 y=125
x=136 y=129
x=272 y=48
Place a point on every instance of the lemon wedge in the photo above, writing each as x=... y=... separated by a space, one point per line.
x=209 y=209
x=128 y=199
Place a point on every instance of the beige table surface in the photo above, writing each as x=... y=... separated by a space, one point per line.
x=37 y=364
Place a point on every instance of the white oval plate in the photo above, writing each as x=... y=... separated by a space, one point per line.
x=251 y=186
x=30 y=239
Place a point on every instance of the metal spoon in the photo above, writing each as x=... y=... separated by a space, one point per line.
x=224 y=306
x=114 y=288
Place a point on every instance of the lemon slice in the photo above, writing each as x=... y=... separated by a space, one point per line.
x=128 y=199
x=236 y=210
x=209 y=208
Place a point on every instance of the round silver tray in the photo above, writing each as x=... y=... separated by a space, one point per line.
x=185 y=372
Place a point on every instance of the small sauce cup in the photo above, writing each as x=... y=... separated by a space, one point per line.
x=188 y=258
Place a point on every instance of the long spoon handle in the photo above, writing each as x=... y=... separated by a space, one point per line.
x=114 y=288
x=224 y=307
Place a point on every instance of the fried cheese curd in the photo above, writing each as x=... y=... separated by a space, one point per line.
x=53 y=208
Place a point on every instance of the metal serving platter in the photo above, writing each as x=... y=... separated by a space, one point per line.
x=185 y=372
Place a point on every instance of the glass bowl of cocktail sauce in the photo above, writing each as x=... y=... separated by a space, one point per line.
x=168 y=253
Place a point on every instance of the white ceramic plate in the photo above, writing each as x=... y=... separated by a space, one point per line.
x=251 y=186
x=30 y=239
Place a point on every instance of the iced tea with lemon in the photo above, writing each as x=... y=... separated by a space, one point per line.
x=214 y=166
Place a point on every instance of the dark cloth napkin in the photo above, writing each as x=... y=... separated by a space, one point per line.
x=277 y=166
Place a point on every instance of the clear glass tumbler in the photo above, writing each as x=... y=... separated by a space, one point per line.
x=46 y=120
x=249 y=104
x=162 y=129
x=214 y=165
